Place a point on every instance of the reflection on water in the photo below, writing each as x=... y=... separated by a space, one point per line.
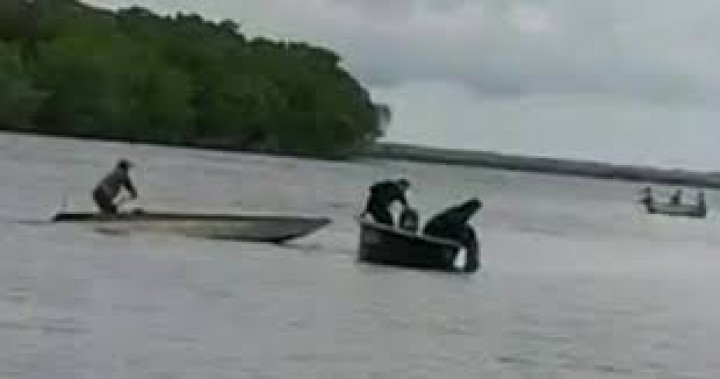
x=576 y=282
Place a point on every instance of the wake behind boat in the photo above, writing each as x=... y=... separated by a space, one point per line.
x=244 y=227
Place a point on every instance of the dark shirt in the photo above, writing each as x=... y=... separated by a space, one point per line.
x=114 y=182
x=453 y=222
x=386 y=192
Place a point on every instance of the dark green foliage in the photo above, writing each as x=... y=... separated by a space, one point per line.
x=19 y=100
x=133 y=75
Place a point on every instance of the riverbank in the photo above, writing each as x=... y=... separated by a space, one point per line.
x=199 y=144
x=546 y=165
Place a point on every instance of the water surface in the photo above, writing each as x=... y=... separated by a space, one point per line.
x=576 y=282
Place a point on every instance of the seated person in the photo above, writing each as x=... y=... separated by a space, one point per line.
x=702 y=204
x=454 y=224
x=646 y=197
x=676 y=198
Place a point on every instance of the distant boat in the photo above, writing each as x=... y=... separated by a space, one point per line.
x=244 y=227
x=697 y=210
x=686 y=210
x=382 y=244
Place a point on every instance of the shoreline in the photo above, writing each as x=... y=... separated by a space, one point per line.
x=485 y=159
x=197 y=145
x=545 y=165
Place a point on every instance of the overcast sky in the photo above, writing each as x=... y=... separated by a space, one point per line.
x=629 y=81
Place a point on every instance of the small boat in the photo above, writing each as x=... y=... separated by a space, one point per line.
x=673 y=207
x=383 y=244
x=244 y=227
x=685 y=210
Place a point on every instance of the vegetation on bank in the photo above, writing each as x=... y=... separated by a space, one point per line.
x=69 y=69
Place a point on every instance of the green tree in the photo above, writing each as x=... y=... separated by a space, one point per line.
x=177 y=79
x=19 y=100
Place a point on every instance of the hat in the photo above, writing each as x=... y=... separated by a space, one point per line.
x=124 y=163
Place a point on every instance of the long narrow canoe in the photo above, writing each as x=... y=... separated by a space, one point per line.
x=382 y=244
x=244 y=227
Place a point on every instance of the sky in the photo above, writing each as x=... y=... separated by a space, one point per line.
x=622 y=81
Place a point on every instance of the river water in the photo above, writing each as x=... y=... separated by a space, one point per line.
x=576 y=282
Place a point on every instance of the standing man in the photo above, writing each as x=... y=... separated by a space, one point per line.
x=107 y=190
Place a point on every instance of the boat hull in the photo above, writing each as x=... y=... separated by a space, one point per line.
x=245 y=227
x=381 y=244
x=682 y=210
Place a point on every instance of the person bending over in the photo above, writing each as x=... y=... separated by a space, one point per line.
x=382 y=195
x=108 y=189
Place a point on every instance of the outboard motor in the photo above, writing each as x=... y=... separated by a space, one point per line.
x=409 y=220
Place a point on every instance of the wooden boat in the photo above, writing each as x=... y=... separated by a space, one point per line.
x=245 y=227
x=390 y=246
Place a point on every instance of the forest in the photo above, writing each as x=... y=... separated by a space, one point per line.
x=132 y=75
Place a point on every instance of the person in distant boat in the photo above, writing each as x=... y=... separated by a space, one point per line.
x=382 y=195
x=646 y=197
x=409 y=220
x=454 y=224
x=702 y=205
x=676 y=197
x=108 y=189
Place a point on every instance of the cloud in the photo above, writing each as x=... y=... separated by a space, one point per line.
x=642 y=48
x=589 y=126
x=547 y=59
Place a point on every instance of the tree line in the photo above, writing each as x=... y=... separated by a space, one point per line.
x=70 y=69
